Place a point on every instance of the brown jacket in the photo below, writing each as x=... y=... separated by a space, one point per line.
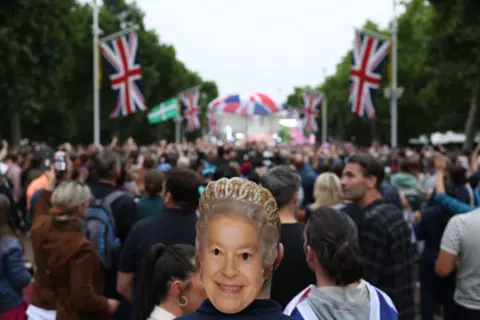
x=70 y=274
x=42 y=296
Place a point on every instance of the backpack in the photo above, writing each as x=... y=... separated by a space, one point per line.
x=99 y=228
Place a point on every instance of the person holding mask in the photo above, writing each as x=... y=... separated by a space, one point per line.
x=238 y=248
x=171 y=286
x=72 y=269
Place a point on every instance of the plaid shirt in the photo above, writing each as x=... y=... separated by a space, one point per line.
x=389 y=255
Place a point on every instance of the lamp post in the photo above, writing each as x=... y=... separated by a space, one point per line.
x=96 y=93
x=394 y=94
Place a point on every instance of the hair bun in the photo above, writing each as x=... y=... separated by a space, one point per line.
x=346 y=263
x=156 y=251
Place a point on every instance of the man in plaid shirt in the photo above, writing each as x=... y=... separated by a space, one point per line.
x=384 y=235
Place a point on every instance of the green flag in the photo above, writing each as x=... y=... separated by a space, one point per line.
x=164 y=111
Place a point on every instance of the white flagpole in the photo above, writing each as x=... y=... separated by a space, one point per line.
x=245 y=133
x=96 y=93
x=178 y=123
x=394 y=93
x=324 y=120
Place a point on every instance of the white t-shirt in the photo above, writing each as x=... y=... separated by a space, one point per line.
x=462 y=238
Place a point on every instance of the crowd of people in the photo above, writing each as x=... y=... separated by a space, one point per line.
x=248 y=231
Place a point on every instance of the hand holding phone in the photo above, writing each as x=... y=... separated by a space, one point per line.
x=60 y=161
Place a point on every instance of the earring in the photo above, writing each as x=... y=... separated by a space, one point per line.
x=183 y=301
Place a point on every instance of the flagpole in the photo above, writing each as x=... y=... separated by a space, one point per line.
x=178 y=122
x=394 y=93
x=246 y=128
x=324 y=120
x=96 y=93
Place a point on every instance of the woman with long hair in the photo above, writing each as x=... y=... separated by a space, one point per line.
x=13 y=274
x=171 y=286
x=327 y=191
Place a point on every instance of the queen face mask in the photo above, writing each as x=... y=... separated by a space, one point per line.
x=232 y=263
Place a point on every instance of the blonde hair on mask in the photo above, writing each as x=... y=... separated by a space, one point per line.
x=245 y=199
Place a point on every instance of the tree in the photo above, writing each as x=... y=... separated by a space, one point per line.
x=455 y=47
x=284 y=134
x=32 y=60
x=417 y=114
x=422 y=108
x=46 y=70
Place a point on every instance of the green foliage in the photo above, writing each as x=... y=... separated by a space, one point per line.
x=46 y=72
x=284 y=134
x=438 y=60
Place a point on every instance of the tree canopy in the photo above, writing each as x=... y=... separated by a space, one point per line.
x=438 y=67
x=46 y=73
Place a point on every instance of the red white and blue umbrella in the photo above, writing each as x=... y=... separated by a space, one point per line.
x=245 y=105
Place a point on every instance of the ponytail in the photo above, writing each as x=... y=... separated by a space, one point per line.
x=333 y=236
x=160 y=266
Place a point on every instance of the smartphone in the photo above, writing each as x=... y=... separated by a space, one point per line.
x=60 y=161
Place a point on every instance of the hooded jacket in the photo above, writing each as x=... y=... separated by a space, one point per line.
x=70 y=272
x=406 y=181
x=363 y=302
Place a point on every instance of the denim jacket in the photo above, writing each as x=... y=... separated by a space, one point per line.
x=13 y=274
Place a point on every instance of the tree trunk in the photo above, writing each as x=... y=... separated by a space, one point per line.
x=373 y=129
x=471 y=123
x=340 y=127
x=15 y=129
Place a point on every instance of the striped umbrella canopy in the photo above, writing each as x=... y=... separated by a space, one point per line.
x=245 y=104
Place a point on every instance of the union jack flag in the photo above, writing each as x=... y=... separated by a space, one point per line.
x=191 y=109
x=212 y=123
x=245 y=105
x=121 y=54
x=369 y=56
x=312 y=101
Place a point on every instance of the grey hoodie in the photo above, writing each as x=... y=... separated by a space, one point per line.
x=337 y=303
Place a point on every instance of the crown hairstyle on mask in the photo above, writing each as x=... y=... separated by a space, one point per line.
x=245 y=199
x=241 y=190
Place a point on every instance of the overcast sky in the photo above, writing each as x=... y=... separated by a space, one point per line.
x=262 y=45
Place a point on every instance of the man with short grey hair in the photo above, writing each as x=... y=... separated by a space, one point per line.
x=284 y=184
